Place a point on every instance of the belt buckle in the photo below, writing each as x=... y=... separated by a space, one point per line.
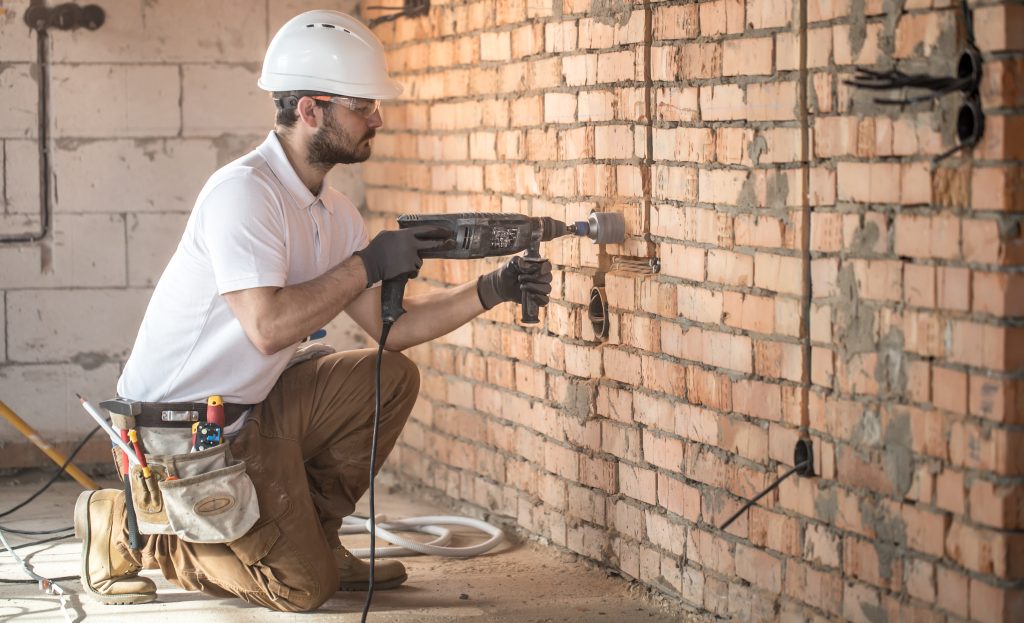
x=179 y=416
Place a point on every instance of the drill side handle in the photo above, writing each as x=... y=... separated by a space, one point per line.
x=530 y=309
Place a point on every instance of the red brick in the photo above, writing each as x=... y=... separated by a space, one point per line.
x=952 y=590
x=991 y=604
x=682 y=261
x=869 y=183
x=980 y=550
x=920 y=576
x=622 y=366
x=821 y=545
x=638 y=483
x=664 y=376
x=998 y=28
x=995 y=399
x=774 y=531
x=616 y=67
x=982 y=241
x=769 y=14
x=743 y=438
x=999 y=506
x=949 y=389
x=996 y=188
x=747 y=57
x=724 y=102
x=783 y=274
x=675 y=183
x=772 y=101
x=734 y=269
x=862 y=560
x=684 y=144
x=748 y=312
x=757 y=399
x=983 y=346
x=759 y=231
x=817 y=588
x=663 y=452
x=711 y=551
x=678 y=497
x=1000 y=294
x=675 y=22
x=759 y=568
x=826 y=232
x=699 y=61
x=559 y=108
x=918 y=34
x=708 y=389
x=950 y=491
x=666 y=532
x=562 y=461
x=919 y=285
x=599 y=473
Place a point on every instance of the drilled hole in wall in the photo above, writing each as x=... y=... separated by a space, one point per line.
x=598 y=312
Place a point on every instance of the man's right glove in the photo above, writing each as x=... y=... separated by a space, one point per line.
x=397 y=252
x=518 y=275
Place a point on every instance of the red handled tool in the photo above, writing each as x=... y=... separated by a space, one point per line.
x=215 y=410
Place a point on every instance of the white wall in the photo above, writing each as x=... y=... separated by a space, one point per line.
x=141 y=112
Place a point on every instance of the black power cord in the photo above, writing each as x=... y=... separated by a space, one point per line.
x=771 y=487
x=54 y=478
x=385 y=329
x=51 y=539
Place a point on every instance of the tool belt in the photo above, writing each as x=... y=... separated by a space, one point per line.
x=184 y=414
x=201 y=496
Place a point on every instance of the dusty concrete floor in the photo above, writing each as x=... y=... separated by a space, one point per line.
x=520 y=583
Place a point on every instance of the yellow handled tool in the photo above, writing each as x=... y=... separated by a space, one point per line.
x=47 y=449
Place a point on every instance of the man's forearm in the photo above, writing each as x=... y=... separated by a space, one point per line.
x=434 y=314
x=275 y=318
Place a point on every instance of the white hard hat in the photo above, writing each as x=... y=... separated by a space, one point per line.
x=327 y=52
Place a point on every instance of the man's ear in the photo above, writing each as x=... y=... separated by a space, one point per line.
x=306 y=109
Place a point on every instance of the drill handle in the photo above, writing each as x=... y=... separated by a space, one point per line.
x=392 y=291
x=530 y=309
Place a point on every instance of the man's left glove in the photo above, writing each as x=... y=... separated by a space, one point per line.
x=518 y=275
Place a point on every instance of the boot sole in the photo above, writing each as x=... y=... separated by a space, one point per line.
x=377 y=586
x=83 y=531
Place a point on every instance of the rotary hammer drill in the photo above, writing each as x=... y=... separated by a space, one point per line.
x=474 y=235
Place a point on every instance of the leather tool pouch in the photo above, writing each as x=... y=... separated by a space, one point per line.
x=202 y=497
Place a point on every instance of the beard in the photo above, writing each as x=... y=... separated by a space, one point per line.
x=332 y=144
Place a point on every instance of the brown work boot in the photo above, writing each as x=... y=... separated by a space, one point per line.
x=355 y=574
x=108 y=574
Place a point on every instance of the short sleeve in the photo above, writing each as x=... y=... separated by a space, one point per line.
x=241 y=226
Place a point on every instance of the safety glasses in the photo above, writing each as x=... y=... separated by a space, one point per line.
x=362 y=107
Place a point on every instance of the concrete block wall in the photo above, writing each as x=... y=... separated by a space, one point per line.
x=820 y=277
x=141 y=112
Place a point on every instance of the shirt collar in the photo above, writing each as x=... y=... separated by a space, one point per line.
x=273 y=153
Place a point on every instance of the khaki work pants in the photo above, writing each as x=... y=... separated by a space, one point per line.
x=307 y=451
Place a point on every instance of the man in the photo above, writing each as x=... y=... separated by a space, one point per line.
x=269 y=256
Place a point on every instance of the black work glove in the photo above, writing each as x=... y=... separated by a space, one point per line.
x=397 y=252
x=518 y=275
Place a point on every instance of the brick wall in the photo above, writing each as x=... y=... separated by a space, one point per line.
x=141 y=112
x=820 y=277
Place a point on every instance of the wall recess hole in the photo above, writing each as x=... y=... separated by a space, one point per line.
x=969 y=123
x=598 y=312
x=803 y=453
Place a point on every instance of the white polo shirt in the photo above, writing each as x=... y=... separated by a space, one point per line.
x=254 y=224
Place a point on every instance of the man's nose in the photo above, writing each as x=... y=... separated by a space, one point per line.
x=376 y=120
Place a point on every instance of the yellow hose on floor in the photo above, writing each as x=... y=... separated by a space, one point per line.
x=47 y=449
